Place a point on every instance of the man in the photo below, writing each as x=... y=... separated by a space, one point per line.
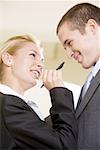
x=79 y=33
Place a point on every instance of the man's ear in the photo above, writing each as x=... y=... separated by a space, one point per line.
x=92 y=25
x=7 y=58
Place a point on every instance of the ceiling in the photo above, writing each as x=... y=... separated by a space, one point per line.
x=34 y=17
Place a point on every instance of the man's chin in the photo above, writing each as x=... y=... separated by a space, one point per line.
x=86 y=66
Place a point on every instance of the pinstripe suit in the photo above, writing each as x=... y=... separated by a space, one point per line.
x=88 y=117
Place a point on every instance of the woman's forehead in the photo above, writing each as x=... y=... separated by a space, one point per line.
x=33 y=47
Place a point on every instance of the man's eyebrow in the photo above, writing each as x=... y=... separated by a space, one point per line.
x=66 y=41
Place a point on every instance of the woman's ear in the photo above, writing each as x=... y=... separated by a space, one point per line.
x=7 y=58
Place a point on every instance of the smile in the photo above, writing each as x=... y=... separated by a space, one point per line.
x=36 y=73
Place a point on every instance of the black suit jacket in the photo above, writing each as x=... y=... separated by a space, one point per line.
x=22 y=129
x=88 y=117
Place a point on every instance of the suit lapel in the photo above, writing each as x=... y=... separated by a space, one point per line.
x=94 y=85
x=79 y=99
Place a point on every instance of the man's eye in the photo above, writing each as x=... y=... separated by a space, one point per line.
x=69 y=43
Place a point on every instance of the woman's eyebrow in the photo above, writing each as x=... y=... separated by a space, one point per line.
x=32 y=50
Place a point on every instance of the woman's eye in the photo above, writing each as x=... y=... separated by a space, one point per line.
x=33 y=54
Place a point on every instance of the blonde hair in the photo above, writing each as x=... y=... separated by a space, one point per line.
x=13 y=44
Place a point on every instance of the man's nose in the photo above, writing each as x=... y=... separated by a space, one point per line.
x=69 y=52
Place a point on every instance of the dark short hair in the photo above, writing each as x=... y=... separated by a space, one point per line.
x=78 y=16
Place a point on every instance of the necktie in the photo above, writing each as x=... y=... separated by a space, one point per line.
x=87 y=84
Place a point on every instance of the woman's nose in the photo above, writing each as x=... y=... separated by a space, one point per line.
x=40 y=64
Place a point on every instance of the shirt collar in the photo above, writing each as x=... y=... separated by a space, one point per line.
x=7 y=90
x=96 y=68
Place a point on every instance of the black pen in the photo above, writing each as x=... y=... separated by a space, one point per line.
x=59 y=67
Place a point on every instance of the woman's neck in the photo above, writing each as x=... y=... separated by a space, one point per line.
x=13 y=85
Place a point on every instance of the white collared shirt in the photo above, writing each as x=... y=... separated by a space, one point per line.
x=91 y=75
x=96 y=68
x=7 y=90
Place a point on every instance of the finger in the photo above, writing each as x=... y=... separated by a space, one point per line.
x=50 y=76
x=44 y=75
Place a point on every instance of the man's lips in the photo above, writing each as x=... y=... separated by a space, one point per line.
x=77 y=57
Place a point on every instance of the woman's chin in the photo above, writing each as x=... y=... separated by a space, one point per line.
x=35 y=82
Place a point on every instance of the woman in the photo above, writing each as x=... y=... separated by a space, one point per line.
x=22 y=126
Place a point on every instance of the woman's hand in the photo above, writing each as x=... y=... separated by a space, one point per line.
x=52 y=78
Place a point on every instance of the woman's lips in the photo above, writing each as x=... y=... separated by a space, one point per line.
x=36 y=73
